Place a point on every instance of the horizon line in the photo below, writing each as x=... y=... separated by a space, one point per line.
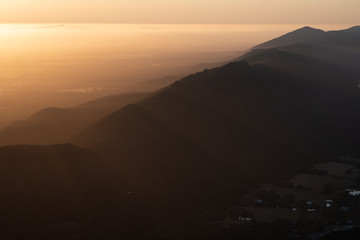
x=153 y=23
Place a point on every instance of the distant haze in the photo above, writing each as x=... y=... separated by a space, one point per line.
x=61 y=65
x=181 y=11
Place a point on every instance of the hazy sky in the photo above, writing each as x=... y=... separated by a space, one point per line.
x=182 y=11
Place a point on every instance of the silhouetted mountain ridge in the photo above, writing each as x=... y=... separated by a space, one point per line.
x=305 y=34
x=347 y=37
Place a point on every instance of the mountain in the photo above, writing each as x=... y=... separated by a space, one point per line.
x=55 y=125
x=332 y=56
x=195 y=147
x=347 y=37
x=305 y=34
x=210 y=133
x=171 y=165
x=314 y=68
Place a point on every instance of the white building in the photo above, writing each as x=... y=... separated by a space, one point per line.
x=353 y=192
x=328 y=203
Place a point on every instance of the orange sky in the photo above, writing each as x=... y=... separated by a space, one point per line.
x=182 y=11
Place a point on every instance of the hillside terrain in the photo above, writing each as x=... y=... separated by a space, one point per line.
x=172 y=164
x=56 y=125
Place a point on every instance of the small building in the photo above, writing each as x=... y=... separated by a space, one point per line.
x=245 y=219
x=353 y=192
x=328 y=203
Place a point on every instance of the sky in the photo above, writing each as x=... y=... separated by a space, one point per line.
x=181 y=11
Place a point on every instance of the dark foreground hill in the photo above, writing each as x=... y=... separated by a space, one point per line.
x=56 y=125
x=237 y=115
x=41 y=185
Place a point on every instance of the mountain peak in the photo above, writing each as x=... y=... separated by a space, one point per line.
x=304 y=34
x=308 y=28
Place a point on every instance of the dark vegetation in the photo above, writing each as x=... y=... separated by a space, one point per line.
x=348 y=235
x=171 y=166
x=41 y=185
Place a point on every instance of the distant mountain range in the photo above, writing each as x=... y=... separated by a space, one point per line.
x=57 y=125
x=183 y=154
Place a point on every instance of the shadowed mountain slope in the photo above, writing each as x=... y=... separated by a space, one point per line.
x=336 y=47
x=314 y=69
x=228 y=125
x=196 y=146
x=332 y=57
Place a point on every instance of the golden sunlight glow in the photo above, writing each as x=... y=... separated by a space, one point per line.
x=48 y=47
x=181 y=11
x=48 y=61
